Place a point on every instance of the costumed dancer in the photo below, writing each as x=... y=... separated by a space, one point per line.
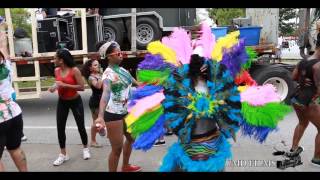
x=201 y=90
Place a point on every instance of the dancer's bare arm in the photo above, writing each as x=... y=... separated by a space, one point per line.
x=295 y=73
x=97 y=83
x=316 y=78
x=103 y=102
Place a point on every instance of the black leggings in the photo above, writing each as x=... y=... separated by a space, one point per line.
x=63 y=107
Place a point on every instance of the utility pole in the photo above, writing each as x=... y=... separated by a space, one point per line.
x=304 y=31
x=133 y=29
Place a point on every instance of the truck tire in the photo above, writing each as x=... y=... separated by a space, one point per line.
x=277 y=76
x=147 y=30
x=112 y=32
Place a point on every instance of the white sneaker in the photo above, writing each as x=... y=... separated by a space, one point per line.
x=24 y=138
x=86 y=153
x=61 y=159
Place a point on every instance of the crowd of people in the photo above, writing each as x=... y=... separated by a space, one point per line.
x=111 y=91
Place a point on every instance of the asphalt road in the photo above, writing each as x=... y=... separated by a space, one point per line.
x=42 y=145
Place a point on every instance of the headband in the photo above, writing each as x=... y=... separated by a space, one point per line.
x=104 y=48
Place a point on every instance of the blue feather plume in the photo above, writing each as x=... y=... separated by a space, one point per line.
x=177 y=158
x=174 y=120
x=142 y=92
x=146 y=140
x=258 y=133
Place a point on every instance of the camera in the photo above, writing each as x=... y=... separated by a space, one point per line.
x=292 y=158
x=289 y=162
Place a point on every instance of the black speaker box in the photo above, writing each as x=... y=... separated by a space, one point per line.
x=50 y=31
x=94 y=32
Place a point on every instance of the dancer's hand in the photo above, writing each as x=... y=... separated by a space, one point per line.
x=100 y=121
x=61 y=84
x=203 y=68
x=53 y=88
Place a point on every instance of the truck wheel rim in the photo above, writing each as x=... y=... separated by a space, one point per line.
x=145 y=33
x=109 y=34
x=280 y=85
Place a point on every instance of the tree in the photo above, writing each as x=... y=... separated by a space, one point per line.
x=316 y=14
x=286 y=27
x=224 y=16
x=20 y=19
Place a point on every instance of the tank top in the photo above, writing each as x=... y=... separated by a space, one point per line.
x=66 y=93
x=309 y=70
x=95 y=91
x=305 y=91
x=9 y=109
x=120 y=86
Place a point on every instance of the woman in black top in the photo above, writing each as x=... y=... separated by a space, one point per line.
x=91 y=72
x=306 y=100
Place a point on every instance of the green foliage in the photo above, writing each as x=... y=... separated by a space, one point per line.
x=316 y=16
x=20 y=19
x=2 y=12
x=287 y=28
x=224 y=16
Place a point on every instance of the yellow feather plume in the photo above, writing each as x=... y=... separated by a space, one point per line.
x=242 y=88
x=130 y=119
x=167 y=53
x=225 y=42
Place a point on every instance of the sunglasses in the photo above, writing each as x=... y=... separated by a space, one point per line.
x=116 y=53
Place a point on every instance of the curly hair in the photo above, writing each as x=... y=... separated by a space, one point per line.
x=85 y=71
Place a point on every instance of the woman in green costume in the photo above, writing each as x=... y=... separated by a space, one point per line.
x=117 y=83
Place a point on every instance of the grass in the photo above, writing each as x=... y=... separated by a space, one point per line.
x=45 y=82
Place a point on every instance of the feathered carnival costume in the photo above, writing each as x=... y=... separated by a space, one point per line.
x=203 y=121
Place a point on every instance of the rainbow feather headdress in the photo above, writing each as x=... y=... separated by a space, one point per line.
x=166 y=98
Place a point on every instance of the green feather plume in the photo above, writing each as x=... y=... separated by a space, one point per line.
x=267 y=116
x=152 y=76
x=252 y=57
x=145 y=122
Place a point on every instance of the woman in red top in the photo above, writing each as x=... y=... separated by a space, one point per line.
x=68 y=82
